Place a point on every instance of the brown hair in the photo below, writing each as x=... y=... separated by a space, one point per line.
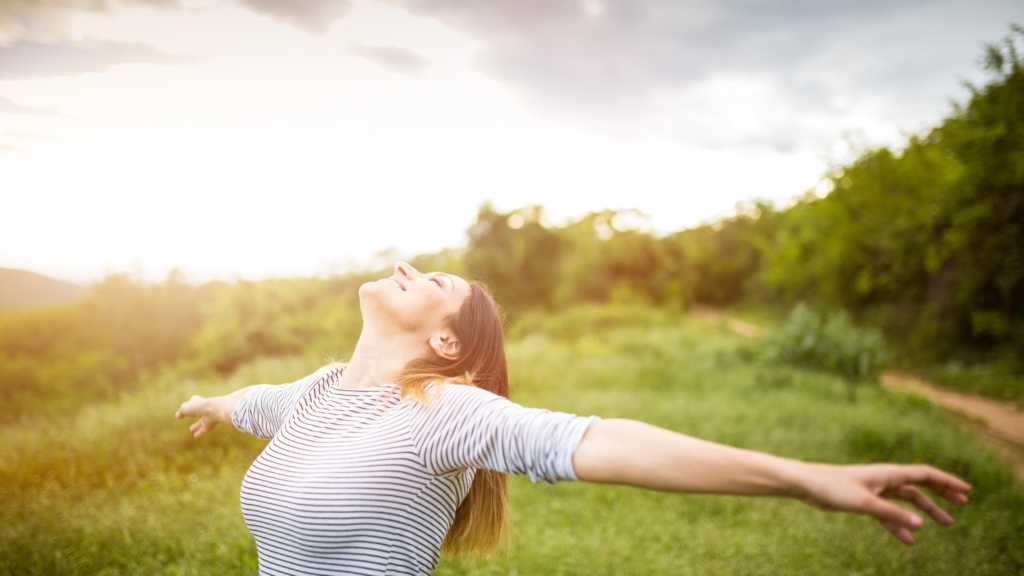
x=482 y=518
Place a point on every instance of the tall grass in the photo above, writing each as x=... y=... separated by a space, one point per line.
x=1000 y=380
x=121 y=488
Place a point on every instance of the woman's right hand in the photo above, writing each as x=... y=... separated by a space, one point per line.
x=197 y=407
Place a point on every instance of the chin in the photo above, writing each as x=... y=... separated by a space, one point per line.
x=374 y=289
x=367 y=288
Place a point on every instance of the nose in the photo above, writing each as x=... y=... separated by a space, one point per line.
x=404 y=270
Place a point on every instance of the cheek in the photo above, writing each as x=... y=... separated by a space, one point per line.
x=432 y=304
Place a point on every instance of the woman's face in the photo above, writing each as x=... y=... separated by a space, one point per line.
x=414 y=301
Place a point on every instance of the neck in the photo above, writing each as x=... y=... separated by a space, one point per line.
x=378 y=358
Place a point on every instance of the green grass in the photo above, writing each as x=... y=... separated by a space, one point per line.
x=1000 y=378
x=121 y=488
x=1002 y=381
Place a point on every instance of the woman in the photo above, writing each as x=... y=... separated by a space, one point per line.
x=378 y=465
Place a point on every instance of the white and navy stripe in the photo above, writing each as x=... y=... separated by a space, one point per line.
x=358 y=481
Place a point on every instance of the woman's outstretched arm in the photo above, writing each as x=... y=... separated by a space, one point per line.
x=210 y=411
x=637 y=454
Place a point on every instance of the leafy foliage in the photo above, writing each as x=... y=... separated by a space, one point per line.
x=59 y=357
x=516 y=254
x=929 y=241
x=248 y=320
x=54 y=359
x=828 y=342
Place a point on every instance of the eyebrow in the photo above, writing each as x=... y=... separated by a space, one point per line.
x=451 y=283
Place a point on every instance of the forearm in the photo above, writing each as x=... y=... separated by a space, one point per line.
x=637 y=454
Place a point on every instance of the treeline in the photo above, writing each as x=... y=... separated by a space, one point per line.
x=125 y=329
x=611 y=256
x=926 y=242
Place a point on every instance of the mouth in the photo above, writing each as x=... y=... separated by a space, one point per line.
x=397 y=283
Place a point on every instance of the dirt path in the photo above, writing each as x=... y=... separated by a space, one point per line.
x=715 y=316
x=1001 y=423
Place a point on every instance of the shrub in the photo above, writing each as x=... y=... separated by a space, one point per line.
x=831 y=342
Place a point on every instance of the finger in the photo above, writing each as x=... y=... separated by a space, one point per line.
x=924 y=503
x=947 y=485
x=183 y=411
x=901 y=533
x=958 y=499
x=889 y=513
x=954 y=496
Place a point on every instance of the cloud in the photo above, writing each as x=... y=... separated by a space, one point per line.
x=11 y=107
x=30 y=59
x=313 y=16
x=14 y=141
x=807 y=71
x=393 y=58
x=633 y=66
x=34 y=18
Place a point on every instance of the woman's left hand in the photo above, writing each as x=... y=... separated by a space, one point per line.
x=197 y=407
x=870 y=489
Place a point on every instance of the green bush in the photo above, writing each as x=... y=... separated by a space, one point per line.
x=831 y=342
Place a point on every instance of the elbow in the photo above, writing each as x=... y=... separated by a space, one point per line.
x=604 y=452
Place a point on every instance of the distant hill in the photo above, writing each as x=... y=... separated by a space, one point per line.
x=23 y=289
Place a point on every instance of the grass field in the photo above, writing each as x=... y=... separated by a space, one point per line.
x=119 y=487
x=999 y=379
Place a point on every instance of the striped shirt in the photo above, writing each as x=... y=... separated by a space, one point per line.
x=359 y=481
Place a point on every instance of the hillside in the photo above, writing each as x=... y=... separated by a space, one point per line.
x=23 y=289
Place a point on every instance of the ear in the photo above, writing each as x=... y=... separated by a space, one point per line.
x=445 y=345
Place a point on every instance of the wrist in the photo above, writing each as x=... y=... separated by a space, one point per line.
x=210 y=409
x=798 y=477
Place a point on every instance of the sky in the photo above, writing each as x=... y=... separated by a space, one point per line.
x=271 y=138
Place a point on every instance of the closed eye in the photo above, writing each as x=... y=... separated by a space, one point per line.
x=448 y=284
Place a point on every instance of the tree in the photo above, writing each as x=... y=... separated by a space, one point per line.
x=518 y=256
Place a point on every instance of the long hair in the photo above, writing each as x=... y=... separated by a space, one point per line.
x=482 y=518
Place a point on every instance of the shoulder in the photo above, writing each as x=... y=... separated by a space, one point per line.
x=323 y=378
x=449 y=400
x=450 y=393
x=329 y=373
x=316 y=384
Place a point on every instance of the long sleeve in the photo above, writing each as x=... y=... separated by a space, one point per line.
x=265 y=408
x=466 y=427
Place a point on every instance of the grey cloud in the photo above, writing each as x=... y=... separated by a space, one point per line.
x=605 y=62
x=609 y=63
x=313 y=16
x=33 y=18
x=11 y=107
x=393 y=58
x=28 y=59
